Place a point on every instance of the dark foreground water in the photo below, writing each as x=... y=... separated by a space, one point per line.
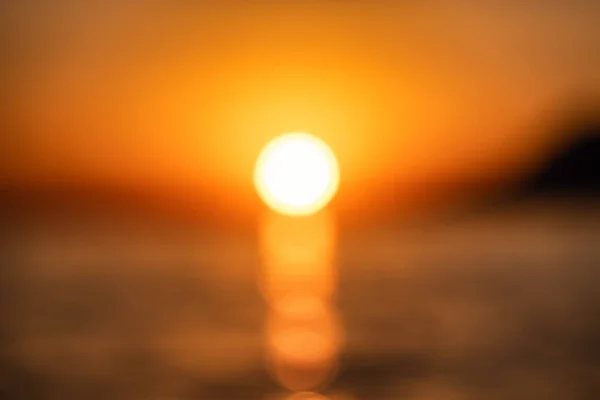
x=503 y=305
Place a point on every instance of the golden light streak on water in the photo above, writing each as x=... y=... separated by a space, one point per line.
x=306 y=396
x=303 y=335
x=297 y=256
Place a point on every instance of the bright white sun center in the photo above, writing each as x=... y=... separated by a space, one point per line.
x=296 y=174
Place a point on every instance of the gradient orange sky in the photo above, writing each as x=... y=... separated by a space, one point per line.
x=173 y=91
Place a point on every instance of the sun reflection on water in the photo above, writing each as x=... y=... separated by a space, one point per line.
x=303 y=334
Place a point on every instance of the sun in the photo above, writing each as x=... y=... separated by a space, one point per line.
x=296 y=174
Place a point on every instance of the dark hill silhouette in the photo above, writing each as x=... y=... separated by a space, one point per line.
x=572 y=170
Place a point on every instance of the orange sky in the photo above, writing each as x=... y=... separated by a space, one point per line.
x=159 y=91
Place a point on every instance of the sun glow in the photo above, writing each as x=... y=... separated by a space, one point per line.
x=296 y=174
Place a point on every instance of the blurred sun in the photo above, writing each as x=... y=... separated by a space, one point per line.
x=296 y=174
